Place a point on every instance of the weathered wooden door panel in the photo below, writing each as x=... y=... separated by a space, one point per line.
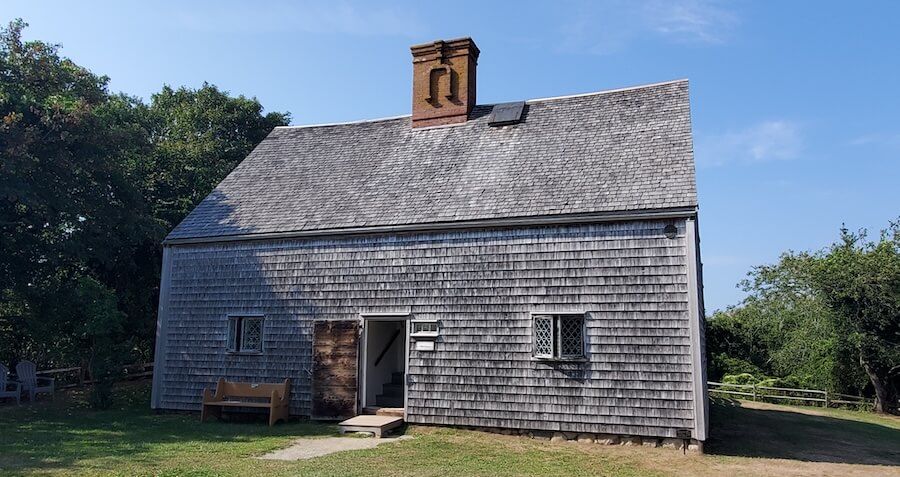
x=334 y=381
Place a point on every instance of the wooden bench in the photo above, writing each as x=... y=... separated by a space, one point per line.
x=233 y=394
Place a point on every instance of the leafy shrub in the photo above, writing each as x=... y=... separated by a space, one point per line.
x=727 y=365
x=742 y=378
x=102 y=331
x=786 y=382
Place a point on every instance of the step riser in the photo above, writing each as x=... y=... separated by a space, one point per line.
x=377 y=425
x=383 y=401
x=392 y=390
x=383 y=411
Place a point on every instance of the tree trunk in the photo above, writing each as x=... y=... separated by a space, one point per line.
x=885 y=393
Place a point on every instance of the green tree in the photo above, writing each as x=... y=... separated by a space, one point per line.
x=860 y=281
x=101 y=331
x=783 y=329
x=67 y=209
x=89 y=183
x=198 y=137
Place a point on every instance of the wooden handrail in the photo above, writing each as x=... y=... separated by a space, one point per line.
x=390 y=343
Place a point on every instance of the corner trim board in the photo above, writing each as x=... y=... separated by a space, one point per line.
x=701 y=407
x=161 y=328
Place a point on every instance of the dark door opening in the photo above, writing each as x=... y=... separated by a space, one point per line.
x=384 y=364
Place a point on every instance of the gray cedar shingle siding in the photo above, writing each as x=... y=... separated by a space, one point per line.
x=482 y=285
x=627 y=150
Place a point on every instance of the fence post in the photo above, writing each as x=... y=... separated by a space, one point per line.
x=827 y=402
x=754 y=392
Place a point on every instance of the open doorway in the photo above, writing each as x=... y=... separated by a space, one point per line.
x=383 y=363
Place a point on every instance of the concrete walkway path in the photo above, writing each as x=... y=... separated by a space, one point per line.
x=309 y=448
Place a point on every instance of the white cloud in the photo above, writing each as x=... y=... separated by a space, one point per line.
x=878 y=139
x=301 y=17
x=608 y=26
x=690 y=20
x=766 y=141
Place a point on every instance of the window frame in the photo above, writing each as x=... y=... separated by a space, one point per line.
x=235 y=333
x=556 y=345
x=424 y=334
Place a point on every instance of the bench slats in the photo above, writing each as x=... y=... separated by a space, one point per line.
x=229 y=394
x=238 y=404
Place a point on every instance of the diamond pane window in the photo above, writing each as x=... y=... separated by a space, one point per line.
x=571 y=336
x=558 y=336
x=543 y=336
x=245 y=334
x=251 y=334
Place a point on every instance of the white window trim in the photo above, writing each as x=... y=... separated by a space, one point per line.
x=555 y=318
x=236 y=346
x=423 y=334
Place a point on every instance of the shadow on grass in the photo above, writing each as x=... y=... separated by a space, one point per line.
x=783 y=434
x=60 y=434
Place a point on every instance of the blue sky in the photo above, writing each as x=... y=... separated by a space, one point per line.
x=796 y=105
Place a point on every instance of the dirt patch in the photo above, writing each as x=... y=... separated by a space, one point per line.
x=309 y=448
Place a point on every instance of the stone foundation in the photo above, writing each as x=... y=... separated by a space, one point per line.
x=686 y=445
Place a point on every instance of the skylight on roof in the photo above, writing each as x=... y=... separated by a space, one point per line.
x=506 y=113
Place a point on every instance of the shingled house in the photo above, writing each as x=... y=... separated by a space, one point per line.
x=530 y=265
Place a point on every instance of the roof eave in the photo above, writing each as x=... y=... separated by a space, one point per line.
x=565 y=219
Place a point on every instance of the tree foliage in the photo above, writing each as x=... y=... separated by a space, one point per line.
x=826 y=320
x=859 y=279
x=782 y=329
x=65 y=202
x=198 y=137
x=89 y=183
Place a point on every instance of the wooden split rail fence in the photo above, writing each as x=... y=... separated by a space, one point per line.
x=809 y=397
x=78 y=376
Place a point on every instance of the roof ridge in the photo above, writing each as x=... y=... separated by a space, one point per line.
x=344 y=123
x=527 y=101
x=607 y=91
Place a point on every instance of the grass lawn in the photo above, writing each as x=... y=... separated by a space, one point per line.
x=67 y=438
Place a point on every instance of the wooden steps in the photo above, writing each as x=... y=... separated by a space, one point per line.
x=392 y=392
x=384 y=411
x=377 y=425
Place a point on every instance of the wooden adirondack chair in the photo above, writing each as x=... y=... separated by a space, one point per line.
x=9 y=388
x=26 y=371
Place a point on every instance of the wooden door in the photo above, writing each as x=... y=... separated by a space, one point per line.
x=334 y=380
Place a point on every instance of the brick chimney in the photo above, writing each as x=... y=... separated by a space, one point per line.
x=443 y=82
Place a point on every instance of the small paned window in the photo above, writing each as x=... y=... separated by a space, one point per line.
x=424 y=328
x=558 y=336
x=245 y=334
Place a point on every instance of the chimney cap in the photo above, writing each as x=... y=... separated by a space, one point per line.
x=439 y=46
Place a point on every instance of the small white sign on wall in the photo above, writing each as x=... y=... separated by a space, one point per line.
x=426 y=345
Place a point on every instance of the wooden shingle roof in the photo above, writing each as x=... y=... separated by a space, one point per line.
x=626 y=150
